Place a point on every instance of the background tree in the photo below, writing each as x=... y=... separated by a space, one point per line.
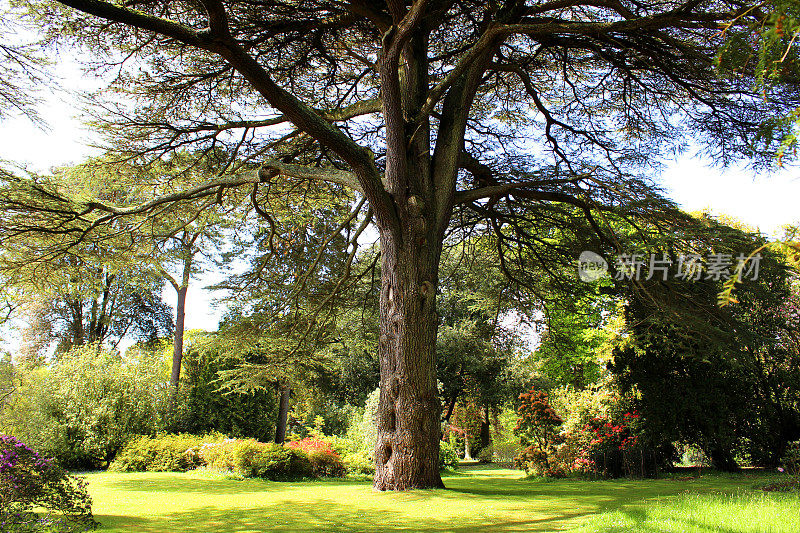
x=105 y=309
x=203 y=407
x=711 y=376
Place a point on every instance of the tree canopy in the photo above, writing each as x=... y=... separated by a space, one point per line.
x=518 y=119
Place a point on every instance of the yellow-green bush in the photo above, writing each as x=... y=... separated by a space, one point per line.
x=250 y=458
x=164 y=453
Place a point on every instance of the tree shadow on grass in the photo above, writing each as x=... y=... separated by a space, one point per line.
x=639 y=518
x=318 y=516
x=481 y=502
x=179 y=484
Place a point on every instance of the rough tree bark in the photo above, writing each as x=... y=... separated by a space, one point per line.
x=407 y=451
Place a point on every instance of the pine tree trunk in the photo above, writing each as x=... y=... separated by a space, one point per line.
x=177 y=345
x=180 y=310
x=407 y=449
x=283 y=414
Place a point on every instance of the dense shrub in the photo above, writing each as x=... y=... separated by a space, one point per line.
x=327 y=464
x=603 y=435
x=610 y=445
x=790 y=461
x=324 y=460
x=29 y=482
x=486 y=454
x=250 y=458
x=245 y=457
x=356 y=460
x=448 y=456
x=164 y=453
x=359 y=463
x=84 y=407
x=538 y=428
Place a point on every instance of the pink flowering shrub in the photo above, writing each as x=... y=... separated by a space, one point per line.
x=324 y=460
x=29 y=481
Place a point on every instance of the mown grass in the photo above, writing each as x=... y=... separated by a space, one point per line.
x=739 y=512
x=476 y=499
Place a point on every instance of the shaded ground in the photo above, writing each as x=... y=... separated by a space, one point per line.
x=480 y=498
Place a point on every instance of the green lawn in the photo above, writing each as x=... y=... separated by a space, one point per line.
x=478 y=499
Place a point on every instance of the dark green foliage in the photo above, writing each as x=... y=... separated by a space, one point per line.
x=790 y=461
x=314 y=410
x=723 y=379
x=688 y=391
x=474 y=351
x=38 y=495
x=353 y=371
x=204 y=407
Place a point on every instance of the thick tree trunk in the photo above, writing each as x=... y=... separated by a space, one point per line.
x=407 y=449
x=177 y=344
x=283 y=414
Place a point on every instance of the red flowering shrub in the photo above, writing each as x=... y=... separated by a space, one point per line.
x=607 y=435
x=613 y=448
x=538 y=428
x=324 y=460
x=29 y=481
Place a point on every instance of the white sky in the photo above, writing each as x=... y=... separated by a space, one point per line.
x=762 y=201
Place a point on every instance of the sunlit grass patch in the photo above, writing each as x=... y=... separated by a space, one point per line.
x=478 y=498
x=743 y=511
